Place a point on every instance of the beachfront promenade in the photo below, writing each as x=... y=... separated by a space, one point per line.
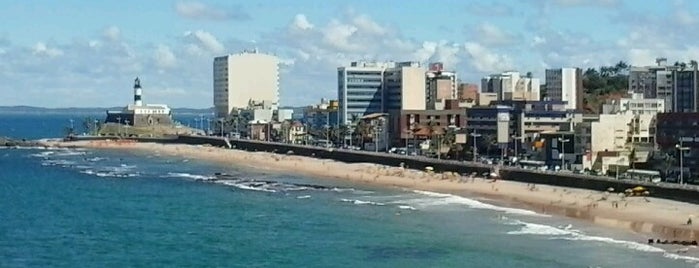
x=684 y=193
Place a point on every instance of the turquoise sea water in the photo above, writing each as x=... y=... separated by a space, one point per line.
x=85 y=208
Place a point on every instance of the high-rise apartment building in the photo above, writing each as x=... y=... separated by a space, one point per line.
x=242 y=78
x=369 y=87
x=360 y=90
x=440 y=85
x=686 y=96
x=512 y=86
x=565 y=84
x=654 y=81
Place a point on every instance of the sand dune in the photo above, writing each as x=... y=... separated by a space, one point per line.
x=658 y=218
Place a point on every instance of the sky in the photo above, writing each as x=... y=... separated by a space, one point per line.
x=75 y=53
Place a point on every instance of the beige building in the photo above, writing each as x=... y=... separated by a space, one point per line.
x=244 y=77
x=440 y=85
x=512 y=86
x=621 y=133
x=467 y=91
x=404 y=86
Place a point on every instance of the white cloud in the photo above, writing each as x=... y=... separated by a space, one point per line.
x=93 y=44
x=442 y=51
x=112 y=33
x=490 y=34
x=201 y=11
x=301 y=23
x=591 y=3
x=164 y=58
x=205 y=40
x=538 y=40
x=485 y=60
x=41 y=49
x=684 y=18
x=338 y=34
x=367 y=25
x=489 y=9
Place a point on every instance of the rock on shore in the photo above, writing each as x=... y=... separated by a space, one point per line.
x=10 y=142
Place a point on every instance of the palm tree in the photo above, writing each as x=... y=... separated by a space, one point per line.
x=435 y=131
x=591 y=72
x=285 y=129
x=449 y=141
x=364 y=131
x=342 y=132
x=621 y=66
x=354 y=127
x=489 y=140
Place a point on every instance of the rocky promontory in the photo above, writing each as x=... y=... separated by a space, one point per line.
x=13 y=142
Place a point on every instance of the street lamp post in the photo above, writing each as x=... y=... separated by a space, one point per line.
x=618 y=162
x=407 y=136
x=563 y=151
x=351 y=132
x=681 y=149
x=208 y=125
x=221 y=121
x=119 y=126
x=327 y=134
x=515 y=139
x=475 y=135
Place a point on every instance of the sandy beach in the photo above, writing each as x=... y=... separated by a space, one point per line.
x=656 y=218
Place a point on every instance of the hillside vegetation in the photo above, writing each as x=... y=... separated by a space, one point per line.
x=604 y=83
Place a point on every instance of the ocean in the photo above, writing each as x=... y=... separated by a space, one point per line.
x=94 y=208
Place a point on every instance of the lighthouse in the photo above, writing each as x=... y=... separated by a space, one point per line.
x=137 y=92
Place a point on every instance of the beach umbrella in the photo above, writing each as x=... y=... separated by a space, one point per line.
x=610 y=189
x=639 y=189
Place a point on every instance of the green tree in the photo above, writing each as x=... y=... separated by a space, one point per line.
x=621 y=67
x=489 y=140
x=363 y=130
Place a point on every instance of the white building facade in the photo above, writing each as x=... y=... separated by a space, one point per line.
x=244 y=77
x=635 y=105
x=512 y=86
x=565 y=84
x=368 y=87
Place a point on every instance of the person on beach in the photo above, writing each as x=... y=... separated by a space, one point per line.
x=689 y=221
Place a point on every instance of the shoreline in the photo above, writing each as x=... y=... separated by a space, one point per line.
x=652 y=217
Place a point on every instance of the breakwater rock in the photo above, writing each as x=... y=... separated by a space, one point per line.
x=11 y=142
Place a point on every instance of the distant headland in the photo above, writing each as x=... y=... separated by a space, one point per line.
x=23 y=109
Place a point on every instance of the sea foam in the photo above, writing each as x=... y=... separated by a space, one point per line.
x=449 y=199
x=567 y=233
x=189 y=176
x=361 y=202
